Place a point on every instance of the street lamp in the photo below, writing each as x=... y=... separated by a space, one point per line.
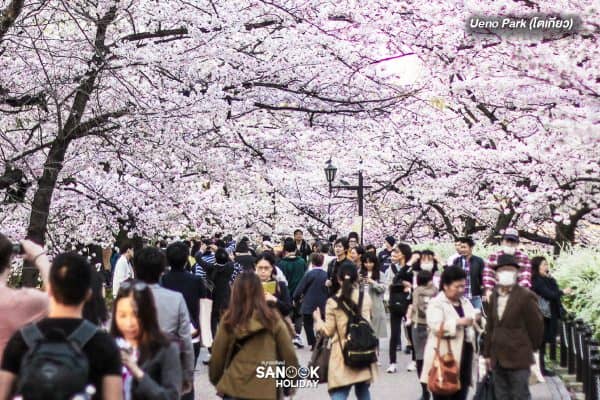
x=330 y=172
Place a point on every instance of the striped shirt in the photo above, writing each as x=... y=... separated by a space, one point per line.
x=524 y=276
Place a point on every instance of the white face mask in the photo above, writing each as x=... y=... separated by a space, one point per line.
x=506 y=278
x=427 y=266
x=509 y=250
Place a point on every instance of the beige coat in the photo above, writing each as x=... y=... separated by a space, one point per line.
x=440 y=310
x=334 y=326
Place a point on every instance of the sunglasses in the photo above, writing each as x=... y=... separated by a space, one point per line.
x=136 y=285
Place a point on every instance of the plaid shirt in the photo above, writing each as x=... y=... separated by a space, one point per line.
x=466 y=266
x=524 y=277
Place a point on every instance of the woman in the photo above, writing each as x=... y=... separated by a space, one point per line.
x=371 y=278
x=95 y=309
x=243 y=256
x=340 y=377
x=417 y=312
x=311 y=293
x=547 y=289
x=355 y=254
x=455 y=315
x=152 y=369
x=248 y=333
x=276 y=292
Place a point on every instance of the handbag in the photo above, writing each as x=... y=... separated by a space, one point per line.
x=545 y=307
x=320 y=357
x=444 y=375
x=485 y=388
x=205 y=328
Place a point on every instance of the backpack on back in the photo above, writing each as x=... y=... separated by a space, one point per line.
x=360 y=349
x=54 y=368
x=398 y=299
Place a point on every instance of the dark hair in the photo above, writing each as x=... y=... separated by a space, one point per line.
x=427 y=252
x=70 y=278
x=5 y=252
x=467 y=240
x=424 y=277
x=267 y=256
x=242 y=247
x=248 y=296
x=325 y=247
x=289 y=246
x=266 y=238
x=94 y=310
x=348 y=275
x=151 y=337
x=177 y=255
x=221 y=256
x=317 y=259
x=343 y=241
x=536 y=262
x=149 y=263
x=353 y=235
x=405 y=250
x=297 y=231
x=452 y=274
x=370 y=257
x=370 y=248
x=126 y=245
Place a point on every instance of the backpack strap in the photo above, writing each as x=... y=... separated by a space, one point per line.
x=32 y=335
x=84 y=332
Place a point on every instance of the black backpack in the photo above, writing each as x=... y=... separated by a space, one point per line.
x=360 y=349
x=54 y=368
x=398 y=300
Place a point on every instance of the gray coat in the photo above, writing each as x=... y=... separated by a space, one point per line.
x=162 y=376
x=378 y=317
x=173 y=318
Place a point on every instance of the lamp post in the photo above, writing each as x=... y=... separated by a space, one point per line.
x=330 y=172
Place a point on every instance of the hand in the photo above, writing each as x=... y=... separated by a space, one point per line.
x=465 y=321
x=568 y=290
x=317 y=315
x=270 y=297
x=213 y=247
x=488 y=364
x=129 y=362
x=328 y=283
x=414 y=258
x=186 y=387
x=31 y=249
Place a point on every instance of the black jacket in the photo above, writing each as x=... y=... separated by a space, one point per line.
x=475 y=272
x=304 y=250
x=220 y=276
x=332 y=272
x=546 y=287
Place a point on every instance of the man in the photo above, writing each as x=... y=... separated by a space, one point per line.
x=340 y=248
x=385 y=255
x=473 y=267
x=353 y=240
x=294 y=268
x=302 y=248
x=69 y=287
x=19 y=307
x=510 y=244
x=453 y=257
x=173 y=317
x=514 y=330
x=123 y=268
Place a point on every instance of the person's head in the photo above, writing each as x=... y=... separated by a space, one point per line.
x=539 y=266
x=355 y=253
x=126 y=249
x=510 y=241
x=317 y=259
x=370 y=249
x=242 y=247
x=424 y=278
x=135 y=318
x=324 y=249
x=94 y=309
x=289 y=246
x=249 y=297
x=149 y=263
x=507 y=269
x=6 y=251
x=453 y=282
x=347 y=276
x=389 y=243
x=353 y=239
x=466 y=245
x=370 y=263
x=298 y=235
x=70 y=280
x=177 y=255
x=340 y=247
x=401 y=254
x=265 y=266
x=427 y=261
x=457 y=246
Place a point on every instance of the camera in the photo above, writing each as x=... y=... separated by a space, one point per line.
x=17 y=248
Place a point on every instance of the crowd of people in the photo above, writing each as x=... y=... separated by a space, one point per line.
x=250 y=303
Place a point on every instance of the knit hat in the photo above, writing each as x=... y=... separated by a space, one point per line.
x=506 y=260
x=390 y=240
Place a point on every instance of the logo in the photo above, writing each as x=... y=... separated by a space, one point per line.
x=288 y=376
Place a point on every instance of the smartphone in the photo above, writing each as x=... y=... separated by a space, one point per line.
x=270 y=287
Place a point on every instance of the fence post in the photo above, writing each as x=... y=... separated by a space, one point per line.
x=579 y=349
x=564 y=341
x=570 y=347
x=586 y=338
x=595 y=378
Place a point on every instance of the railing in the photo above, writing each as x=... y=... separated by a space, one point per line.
x=579 y=354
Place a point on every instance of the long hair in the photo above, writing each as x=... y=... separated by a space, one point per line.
x=536 y=263
x=348 y=274
x=370 y=257
x=151 y=337
x=248 y=297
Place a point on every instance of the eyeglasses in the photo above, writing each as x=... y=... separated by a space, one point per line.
x=138 y=286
